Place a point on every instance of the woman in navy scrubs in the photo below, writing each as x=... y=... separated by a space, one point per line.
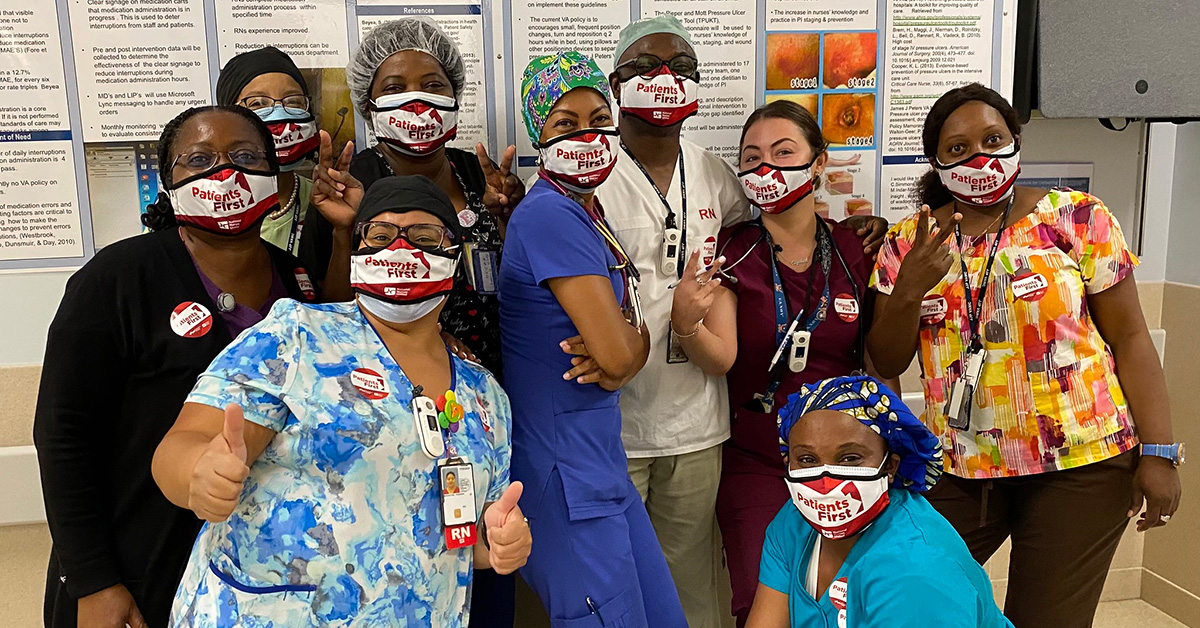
x=567 y=289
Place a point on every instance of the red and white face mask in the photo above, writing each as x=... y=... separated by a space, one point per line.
x=662 y=100
x=839 y=501
x=582 y=160
x=775 y=189
x=983 y=178
x=226 y=199
x=295 y=134
x=415 y=123
x=402 y=283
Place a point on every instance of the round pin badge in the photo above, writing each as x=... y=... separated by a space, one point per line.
x=467 y=218
x=838 y=590
x=709 y=250
x=933 y=310
x=370 y=383
x=305 y=284
x=191 y=320
x=846 y=307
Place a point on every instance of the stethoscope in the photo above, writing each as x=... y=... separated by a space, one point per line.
x=765 y=235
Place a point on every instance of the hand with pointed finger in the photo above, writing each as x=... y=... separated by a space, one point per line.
x=113 y=607
x=335 y=192
x=694 y=295
x=508 y=537
x=927 y=262
x=504 y=189
x=217 y=478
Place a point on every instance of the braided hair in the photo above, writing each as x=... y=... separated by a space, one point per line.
x=159 y=214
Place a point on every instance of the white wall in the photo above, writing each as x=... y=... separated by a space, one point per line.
x=1183 y=238
x=31 y=299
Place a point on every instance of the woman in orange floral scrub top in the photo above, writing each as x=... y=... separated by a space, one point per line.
x=1040 y=432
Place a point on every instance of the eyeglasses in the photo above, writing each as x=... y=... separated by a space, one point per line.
x=296 y=103
x=203 y=160
x=422 y=236
x=647 y=65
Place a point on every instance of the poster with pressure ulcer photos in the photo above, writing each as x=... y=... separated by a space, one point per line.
x=86 y=87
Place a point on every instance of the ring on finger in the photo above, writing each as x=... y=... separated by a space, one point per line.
x=1165 y=518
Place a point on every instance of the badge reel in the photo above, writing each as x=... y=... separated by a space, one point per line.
x=670 y=251
x=429 y=432
x=962 y=393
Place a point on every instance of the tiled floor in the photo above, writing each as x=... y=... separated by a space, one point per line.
x=1132 y=614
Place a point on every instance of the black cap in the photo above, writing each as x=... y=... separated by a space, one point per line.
x=407 y=193
x=250 y=65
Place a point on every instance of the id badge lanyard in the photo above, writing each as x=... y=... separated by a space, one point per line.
x=765 y=401
x=673 y=229
x=959 y=409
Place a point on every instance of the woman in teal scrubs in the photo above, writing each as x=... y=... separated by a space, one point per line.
x=859 y=547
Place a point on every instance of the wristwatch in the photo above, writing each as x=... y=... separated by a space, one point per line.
x=1173 y=452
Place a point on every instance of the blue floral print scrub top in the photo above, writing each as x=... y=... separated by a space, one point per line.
x=339 y=521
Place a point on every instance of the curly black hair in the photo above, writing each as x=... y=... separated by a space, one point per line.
x=930 y=190
x=159 y=214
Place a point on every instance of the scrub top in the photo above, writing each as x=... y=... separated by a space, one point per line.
x=339 y=521
x=556 y=423
x=909 y=569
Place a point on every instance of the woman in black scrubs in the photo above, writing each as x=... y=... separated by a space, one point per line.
x=138 y=323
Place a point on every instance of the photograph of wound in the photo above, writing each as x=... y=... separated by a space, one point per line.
x=848 y=119
x=793 y=60
x=850 y=60
x=808 y=101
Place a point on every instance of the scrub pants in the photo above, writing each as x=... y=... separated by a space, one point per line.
x=747 y=502
x=1065 y=527
x=604 y=571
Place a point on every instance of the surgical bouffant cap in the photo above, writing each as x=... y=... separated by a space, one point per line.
x=410 y=33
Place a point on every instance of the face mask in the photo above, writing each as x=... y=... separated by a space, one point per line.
x=982 y=179
x=410 y=281
x=295 y=135
x=415 y=123
x=663 y=100
x=775 y=189
x=839 y=501
x=582 y=160
x=226 y=199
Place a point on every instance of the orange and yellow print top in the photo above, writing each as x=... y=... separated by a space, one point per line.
x=1049 y=398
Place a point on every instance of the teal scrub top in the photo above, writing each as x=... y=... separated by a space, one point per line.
x=909 y=569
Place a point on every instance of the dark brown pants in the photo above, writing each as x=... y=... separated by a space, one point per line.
x=1065 y=526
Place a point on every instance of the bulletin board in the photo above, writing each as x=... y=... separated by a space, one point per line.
x=87 y=85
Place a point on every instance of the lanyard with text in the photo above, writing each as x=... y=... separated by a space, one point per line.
x=789 y=338
x=674 y=246
x=962 y=392
x=297 y=224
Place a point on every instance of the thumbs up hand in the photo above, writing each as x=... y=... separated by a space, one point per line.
x=508 y=534
x=217 y=477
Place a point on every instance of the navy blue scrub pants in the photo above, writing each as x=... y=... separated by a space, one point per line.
x=600 y=572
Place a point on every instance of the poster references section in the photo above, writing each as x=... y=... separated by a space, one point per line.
x=542 y=27
x=824 y=57
x=312 y=32
x=463 y=24
x=933 y=46
x=39 y=214
x=138 y=64
x=726 y=45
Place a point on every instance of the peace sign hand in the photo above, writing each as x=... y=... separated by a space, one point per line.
x=927 y=262
x=504 y=190
x=335 y=192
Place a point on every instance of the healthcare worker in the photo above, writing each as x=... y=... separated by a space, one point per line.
x=315 y=447
x=267 y=82
x=667 y=198
x=567 y=287
x=784 y=304
x=407 y=81
x=1040 y=376
x=859 y=547
x=136 y=325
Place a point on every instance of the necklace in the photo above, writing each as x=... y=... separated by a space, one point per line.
x=275 y=215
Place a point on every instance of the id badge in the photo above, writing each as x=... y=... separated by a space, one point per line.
x=457 y=486
x=483 y=267
x=675 y=353
x=962 y=392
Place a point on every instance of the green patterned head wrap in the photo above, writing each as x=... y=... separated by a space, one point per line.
x=548 y=78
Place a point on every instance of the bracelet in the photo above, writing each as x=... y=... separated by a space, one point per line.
x=679 y=335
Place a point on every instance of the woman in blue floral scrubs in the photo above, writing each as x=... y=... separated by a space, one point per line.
x=324 y=505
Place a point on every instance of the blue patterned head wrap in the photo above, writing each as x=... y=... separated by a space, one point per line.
x=880 y=409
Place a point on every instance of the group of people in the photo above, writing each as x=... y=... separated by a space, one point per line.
x=367 y=398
